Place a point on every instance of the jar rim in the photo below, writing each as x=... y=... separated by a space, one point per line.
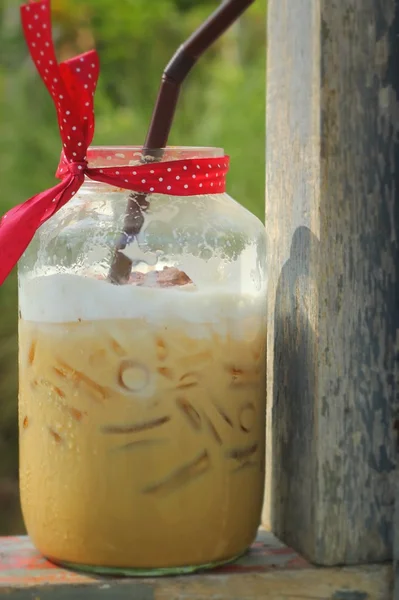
x=102 y=156
x=167 y=148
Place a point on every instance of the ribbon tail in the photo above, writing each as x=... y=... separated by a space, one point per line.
x=19 y=225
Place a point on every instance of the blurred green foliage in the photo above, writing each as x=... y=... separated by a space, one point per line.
x=222 y=104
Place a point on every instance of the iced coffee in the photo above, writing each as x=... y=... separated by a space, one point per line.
x=141 y=420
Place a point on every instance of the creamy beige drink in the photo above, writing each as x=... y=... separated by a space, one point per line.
x=141 y=422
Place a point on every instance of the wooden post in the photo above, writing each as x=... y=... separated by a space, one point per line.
x=331 y=219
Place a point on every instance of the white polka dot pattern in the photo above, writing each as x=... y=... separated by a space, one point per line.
x=189 y=177
x=72 y=85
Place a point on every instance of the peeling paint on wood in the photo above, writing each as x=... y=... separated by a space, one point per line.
x=270 y=571
x=332 y=223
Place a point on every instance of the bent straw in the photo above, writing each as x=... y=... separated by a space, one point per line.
x=162 y=117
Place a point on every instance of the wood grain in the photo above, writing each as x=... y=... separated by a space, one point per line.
x=269 y=571
x=331 y=219
x=355 y=583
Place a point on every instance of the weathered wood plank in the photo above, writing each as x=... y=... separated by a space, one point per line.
x=332 y=176
x=270 y=571
x=352 y=583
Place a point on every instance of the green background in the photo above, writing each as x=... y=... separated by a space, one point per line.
x=222 y=104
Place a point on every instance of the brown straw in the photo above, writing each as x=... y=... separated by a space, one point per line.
x=162 y=117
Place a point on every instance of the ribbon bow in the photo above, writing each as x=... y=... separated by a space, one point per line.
x=72 y=85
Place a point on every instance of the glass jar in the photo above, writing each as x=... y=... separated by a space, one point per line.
x=142 y=406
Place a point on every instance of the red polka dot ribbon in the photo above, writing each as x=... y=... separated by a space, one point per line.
x=72 y=85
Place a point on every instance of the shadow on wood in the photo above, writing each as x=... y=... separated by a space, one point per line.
x=331 y=218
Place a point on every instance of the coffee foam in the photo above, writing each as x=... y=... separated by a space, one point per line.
x=64 y=298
